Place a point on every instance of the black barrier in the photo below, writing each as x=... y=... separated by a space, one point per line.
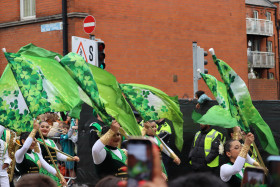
x=269 y=110
x=86 y=173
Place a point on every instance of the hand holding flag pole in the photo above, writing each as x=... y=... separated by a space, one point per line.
x=57 y=150
x=172 y=154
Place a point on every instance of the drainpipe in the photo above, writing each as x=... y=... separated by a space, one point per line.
x=65 y=27
x=277 y=30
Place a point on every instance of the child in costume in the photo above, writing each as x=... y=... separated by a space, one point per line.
x=68 y=146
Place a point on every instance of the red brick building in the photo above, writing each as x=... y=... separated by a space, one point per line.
x=147 y=42
x=262 y=38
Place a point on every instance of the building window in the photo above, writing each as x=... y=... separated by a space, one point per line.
x=27 y=9
x=256 y=45
x=256 y=14
x=268 y=16
x=269 y=46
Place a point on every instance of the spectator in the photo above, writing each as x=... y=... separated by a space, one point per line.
x=201 y=97
x=157 y=178
x=198 y=180
x=35 y=180
x=109 y=181
x=68 y=147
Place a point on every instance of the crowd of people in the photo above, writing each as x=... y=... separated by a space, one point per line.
x=50 y=153
x=215 y=159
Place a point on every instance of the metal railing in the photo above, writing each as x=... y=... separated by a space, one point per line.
x=261 y=59
x=259 y=26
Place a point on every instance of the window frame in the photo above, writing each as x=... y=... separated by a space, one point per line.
x=268 y=16
x=22 y=17
x=256 y=45
x=269 y=46
x=256 y=14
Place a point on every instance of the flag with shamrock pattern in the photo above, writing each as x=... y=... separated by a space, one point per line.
x=37 y=85
x=241 y=99
x=218 y=115
x=14 y=113
x=80 y=71
x=114 y=101
x=153 y=104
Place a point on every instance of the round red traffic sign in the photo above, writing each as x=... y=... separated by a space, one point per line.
x=89 y=24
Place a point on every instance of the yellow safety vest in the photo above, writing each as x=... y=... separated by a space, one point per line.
x=165 y=127
x=210 y=137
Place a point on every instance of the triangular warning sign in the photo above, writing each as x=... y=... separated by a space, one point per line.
x=81 y=51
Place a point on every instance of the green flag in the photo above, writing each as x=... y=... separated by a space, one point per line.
x=239 y=94
x=114 y=102
x=14 y=113
x=79 y=70
x=218 y=116
x=39 y=87
x=218 y=89
x=153 y=104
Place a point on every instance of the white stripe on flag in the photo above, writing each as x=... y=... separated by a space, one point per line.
x=90 y=24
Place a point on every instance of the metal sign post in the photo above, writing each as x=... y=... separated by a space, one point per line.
x=195 y=77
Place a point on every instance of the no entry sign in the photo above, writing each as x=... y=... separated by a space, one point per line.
x=89 y=24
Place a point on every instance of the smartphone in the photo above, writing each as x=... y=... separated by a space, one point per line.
x=140 y=161
x=274 y=171
x=253 y=176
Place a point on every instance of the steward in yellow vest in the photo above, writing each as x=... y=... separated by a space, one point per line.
x=204 y=154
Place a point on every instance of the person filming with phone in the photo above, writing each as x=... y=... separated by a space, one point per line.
x=107 y=157
x=232 y=172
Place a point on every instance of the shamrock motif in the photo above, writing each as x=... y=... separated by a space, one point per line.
x=164 y=109
x=6 y=92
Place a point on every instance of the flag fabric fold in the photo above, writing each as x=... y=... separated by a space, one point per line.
x=153 y=104
x=104 y=92
x=218 y=115
x=33 y=83
x=114 y=101
x=14 y=113
x=241 y=99
x=79 y=70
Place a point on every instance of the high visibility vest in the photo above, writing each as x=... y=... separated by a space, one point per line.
x=210 y=137
x=164 y=127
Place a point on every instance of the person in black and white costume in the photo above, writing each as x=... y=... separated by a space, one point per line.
x=28 y=161
x=232 y=172
x=107 y=157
